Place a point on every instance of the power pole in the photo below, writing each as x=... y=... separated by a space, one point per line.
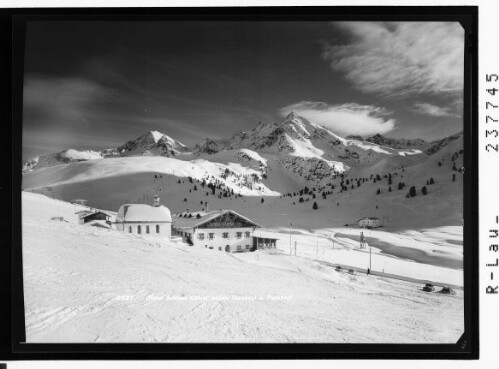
x=370 y=258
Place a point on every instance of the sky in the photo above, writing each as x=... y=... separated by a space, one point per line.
x=96 y=85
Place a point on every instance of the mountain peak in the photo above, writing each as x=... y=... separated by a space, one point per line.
x=156 y=136
x=292 y=115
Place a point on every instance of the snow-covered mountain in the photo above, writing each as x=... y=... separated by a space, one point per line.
x=149 y=144
x=273 y=160
x=152 y=143
x=308 y=149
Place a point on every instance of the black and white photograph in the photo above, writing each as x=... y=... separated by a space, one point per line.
x=256 y=181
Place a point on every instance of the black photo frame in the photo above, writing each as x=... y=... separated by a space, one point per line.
x=13 y=27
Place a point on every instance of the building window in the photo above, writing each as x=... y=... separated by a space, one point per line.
x=201 y=236
x=247 y=247
x=225 y=235
x=246 y=234
x=239 y=234
x=147 y=229
x=211 y=236
x=139 y=230
x=130 y=229
x=157 y=228
x=239 y=248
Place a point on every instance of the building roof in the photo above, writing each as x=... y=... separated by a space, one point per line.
x=264 y=234
x=95 y=212
x=78 y=201
x=143 y=213
x=84 y=211
x=180 y=222
x=370 y=218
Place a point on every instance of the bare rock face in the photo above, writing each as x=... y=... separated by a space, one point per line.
x=315 y=170
x=398 y=143
x=440 y=144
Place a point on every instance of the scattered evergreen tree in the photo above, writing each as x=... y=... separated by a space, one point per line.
x=378 y=178
x=195 y=188
x=198 y=216
x=423 y=190
x=190 y=179
x=389 y=189
x=453 y=177
x=412 y=191
x=301 y=199
x=179 y=181
x=185 y=200
x=378 y=192
x=314 y=206
x=261 y=202
x=454 y=167
x=432 y=181
x=439 y=163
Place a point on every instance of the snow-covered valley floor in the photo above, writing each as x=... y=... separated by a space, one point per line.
x=86 y=284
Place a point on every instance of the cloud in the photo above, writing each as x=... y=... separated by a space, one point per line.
x=345 y=119
x=432 y=110
x=397 y=59
x=65 y=101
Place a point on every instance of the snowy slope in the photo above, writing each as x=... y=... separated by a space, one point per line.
x=233 y=175
x=83 y=284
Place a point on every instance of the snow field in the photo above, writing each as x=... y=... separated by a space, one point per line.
x=84 y=284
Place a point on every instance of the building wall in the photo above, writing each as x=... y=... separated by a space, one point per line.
x=219 y=243
x=165 y=229
x=369 y=223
